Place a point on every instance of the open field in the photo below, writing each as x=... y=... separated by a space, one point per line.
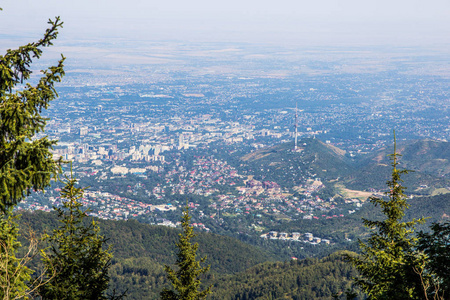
x=347 y=193
x=440 y=191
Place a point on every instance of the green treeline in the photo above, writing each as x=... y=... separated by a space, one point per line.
x=141 y=251
x=304 y=279
x=238 y=270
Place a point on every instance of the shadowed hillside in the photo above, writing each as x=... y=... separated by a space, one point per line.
x=301 y=280
x=430 y=161
x=133 y=239
x=141 y=251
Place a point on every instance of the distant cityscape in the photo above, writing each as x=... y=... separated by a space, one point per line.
x=144 y=148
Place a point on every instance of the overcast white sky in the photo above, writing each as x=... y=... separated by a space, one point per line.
x=318 y=22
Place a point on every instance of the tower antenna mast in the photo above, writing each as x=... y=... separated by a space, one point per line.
x=296 y=125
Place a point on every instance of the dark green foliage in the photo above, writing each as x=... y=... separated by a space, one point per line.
x=13 y=273
x=141 y=250
x=303 y=279
x=76 y=262
x=389 y=265
x=185 y=279
x=133 y=239
x=436 y=245
x=26 y=164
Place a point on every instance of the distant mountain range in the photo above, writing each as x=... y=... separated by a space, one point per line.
x=430 y=161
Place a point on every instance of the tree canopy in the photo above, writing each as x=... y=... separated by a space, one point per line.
x=436 y=246
x=26 y=163
x=185 y=280
x=77 y=262
x=388 y=265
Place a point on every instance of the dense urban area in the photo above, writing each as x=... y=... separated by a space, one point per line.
x=146 y=147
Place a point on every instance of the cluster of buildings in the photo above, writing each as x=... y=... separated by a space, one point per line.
x=111 y=139
x=103 y=205
x=229 y=194
x=118 y=139
x=255 y=187
x=203 y=178
x=296 y=237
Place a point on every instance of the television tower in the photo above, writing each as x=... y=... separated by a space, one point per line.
x=296 y=125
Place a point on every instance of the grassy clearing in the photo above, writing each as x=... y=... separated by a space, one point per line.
x=347 y=193
x=440 y=191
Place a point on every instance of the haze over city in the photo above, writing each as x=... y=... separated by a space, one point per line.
x=325 y=22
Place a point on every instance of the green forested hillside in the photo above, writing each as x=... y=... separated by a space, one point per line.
x=305 y=279
x=287 y=167
x=239 y=270
x=141 y=250
x=133 y=239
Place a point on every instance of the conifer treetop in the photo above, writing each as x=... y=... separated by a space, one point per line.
x=389 y=258
x=77 y=256
x=185 y=280
x=26 y=162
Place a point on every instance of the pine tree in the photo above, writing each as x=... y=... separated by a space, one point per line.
x=185 y=280
x=389 y=262
x=26 y=163
x=14 y=274
x=77 y=261
x=436 y=273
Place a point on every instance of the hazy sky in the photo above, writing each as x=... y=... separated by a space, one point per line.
x=319 y=22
